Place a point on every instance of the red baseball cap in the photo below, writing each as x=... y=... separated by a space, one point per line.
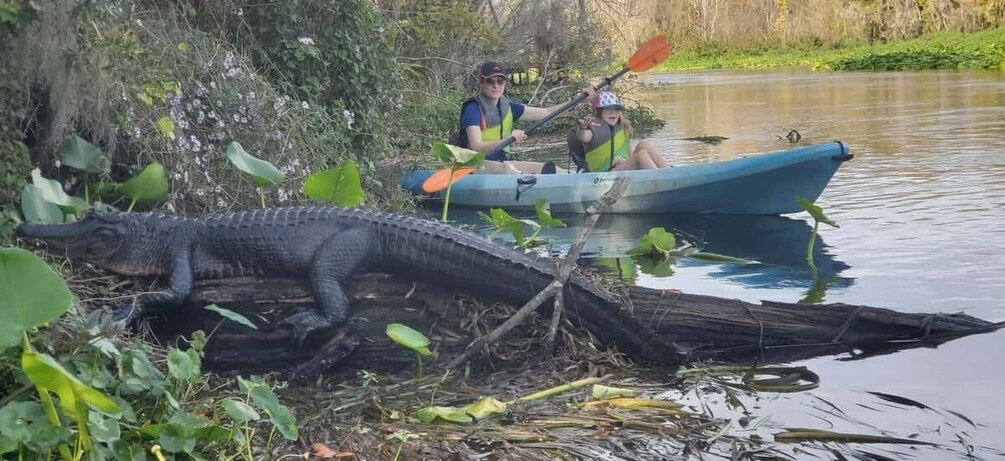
x=493 y=69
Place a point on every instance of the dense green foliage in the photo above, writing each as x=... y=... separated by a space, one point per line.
x=981 y=50
x=116 y=398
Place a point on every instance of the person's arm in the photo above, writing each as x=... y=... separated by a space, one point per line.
x=534 y=114
x=585 y=132
x=475 y=142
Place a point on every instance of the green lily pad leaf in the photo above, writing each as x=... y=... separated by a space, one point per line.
x=601 y=391
x=16 y=419
x=149 y=185
x=656 y=241
x=166 y=126
x=184 y=365
x=815 y=211
x=502 y=220
x=544 y=217
x=408 y=337
x=339 y=186
x=104 y=188
x=455 y=156
x=483 y=408
x=451 y=414
x=719 y=258
x=26 y=423
x=82 y=155
x=102 y=428
x=32 y=294
x=266 y=400
x=36 y=209
x=657 y=266
x=262 y=172
x=231 y=315
x=44 y=372
x=51 y=191
x=240 y=411
x=178 y=435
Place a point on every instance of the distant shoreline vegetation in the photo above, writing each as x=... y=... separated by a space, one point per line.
x=943 y=50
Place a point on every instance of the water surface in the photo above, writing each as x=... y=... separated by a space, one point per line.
x=921 y=230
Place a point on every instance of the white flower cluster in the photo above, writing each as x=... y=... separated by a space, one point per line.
x=306 y=41
x=350 y=118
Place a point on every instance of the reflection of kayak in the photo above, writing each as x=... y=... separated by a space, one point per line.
x=758 y=184
x=778 y=243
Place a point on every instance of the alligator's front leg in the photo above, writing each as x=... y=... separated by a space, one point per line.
x=179 y=286
x=347 y=253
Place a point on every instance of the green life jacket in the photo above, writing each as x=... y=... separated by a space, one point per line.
x=497 y=122
x=607 y=142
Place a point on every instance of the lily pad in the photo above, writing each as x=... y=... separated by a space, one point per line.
x=51 y=191
x=339 y=186
x=656 y=241
x=484 y=407
x=409 y=337
x=230 y=315
x=148 y=185
x=502 y=220
x=266 y=400
x=544 y=217
x=449 y=154
x=38 y=210
x=657 y=266
x=261 y=171
x=32 y=294
x=47 y=374
x=81 y=155
x=815 y=211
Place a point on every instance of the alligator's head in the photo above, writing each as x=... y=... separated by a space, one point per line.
x=104 y=239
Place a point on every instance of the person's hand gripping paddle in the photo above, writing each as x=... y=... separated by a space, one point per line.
x=651 y=53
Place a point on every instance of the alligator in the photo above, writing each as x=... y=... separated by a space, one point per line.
x=327 y=245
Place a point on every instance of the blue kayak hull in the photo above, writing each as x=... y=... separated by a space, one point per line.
x=758 y=184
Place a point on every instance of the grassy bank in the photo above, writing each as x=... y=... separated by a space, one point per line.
x=982 y=50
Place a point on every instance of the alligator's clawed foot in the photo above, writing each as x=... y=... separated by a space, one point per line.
x=305 y=323
x=127 y=316
x=338 y=346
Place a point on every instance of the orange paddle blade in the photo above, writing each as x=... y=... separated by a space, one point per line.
x=653 y=52
x=441 y=179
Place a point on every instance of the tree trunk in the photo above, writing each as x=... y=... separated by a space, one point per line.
x=709 y=326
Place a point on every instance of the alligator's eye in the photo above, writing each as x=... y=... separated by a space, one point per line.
x=104 y=242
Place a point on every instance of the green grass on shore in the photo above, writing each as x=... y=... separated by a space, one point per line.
x=981 y=50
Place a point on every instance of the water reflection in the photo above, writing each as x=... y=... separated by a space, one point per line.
x=776 y=246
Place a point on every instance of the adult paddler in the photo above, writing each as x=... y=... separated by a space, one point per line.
x=487 y=120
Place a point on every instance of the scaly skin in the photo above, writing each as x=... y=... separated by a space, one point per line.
x=327 y=245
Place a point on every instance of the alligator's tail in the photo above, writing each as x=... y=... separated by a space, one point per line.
x=599 y=312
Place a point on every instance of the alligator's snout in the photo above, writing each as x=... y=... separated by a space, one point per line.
x=44 y=231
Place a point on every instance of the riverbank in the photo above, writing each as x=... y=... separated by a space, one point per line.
x=946 y=50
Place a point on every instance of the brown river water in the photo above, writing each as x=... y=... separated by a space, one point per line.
x=920 y=209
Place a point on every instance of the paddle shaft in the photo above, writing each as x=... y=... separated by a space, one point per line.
x=510 y=140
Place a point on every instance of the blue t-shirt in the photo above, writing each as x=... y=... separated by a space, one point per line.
x=471 y=115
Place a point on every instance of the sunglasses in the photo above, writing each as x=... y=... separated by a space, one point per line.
x=494 y=81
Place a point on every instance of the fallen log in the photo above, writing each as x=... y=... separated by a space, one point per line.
x=710 y=327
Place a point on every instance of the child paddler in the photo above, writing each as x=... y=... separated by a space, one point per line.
x=603 y=143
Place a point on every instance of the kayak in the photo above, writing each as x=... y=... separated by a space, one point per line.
x=766 y=184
